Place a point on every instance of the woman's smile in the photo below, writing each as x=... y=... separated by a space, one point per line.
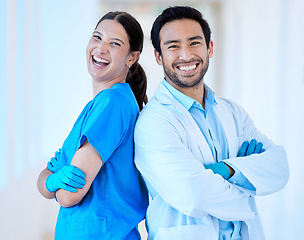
x=100 y=62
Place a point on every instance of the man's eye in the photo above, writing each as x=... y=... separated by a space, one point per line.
x=195 y=43
x=172 y=47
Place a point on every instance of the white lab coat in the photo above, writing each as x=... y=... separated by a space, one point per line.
x=187 y=199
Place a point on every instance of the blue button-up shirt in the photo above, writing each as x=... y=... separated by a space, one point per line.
x=214 y=134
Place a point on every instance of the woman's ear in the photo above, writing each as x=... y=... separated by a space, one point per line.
x=133 y=57
x=158 y=57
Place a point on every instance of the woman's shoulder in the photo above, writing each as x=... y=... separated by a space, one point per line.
x=119 y=93
x=114 y=102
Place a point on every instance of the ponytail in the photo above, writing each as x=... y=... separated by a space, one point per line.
x=138 y=82
x=136 y=76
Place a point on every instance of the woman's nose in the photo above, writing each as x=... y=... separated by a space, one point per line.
x=102 y=47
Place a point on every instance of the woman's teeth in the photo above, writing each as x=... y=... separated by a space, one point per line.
x=100 y=61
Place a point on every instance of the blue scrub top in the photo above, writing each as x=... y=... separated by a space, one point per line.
x=117 y=199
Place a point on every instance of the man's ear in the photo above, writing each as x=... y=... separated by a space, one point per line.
x=133 y=57
x=210 y=49
x=158 y=57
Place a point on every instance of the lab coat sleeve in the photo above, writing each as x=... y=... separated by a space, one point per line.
x=167 y=164
x=239 y=179
x=267 y=171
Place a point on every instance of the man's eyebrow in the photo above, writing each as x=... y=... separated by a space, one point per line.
x=115 y=39
x=171 y=41
x=178 y=41
x=195 y=38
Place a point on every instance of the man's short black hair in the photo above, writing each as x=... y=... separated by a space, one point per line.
x=176 y=13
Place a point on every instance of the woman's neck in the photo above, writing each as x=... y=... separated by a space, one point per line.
x=100 y=86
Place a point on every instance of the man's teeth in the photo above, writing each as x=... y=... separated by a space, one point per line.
x=187 y=68
x=100 y=60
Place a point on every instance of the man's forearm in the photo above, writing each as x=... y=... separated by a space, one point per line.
x=231 y=170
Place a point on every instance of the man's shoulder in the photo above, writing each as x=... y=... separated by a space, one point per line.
x=153 y=109
x=229 y=105
x=223 y=100
x=158 y=115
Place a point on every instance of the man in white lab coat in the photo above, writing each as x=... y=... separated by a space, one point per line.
x=187 y=143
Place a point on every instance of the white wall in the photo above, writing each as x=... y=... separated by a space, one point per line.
x=44 y=86
x=263 y=69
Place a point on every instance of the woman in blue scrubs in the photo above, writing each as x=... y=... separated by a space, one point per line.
x=93 y=177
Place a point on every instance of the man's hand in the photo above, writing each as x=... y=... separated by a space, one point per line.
x=246 y=149
x=68 y=178
x=250 y=148
x=220 y=168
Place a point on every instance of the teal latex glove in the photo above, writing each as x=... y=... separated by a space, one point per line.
x=68 y=178
x=219 y=168
x=245 y=150
x=250 y=148
x=54 y=165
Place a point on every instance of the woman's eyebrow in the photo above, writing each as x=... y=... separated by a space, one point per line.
x=115 y=39
x=97 y=32
x=118 y=39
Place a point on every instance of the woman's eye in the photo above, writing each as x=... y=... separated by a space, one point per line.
x=97 y=37
x=115 y=44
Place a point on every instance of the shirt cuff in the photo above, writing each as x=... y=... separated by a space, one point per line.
x=239 y=179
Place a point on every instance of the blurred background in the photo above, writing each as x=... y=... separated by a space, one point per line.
x=258 y=62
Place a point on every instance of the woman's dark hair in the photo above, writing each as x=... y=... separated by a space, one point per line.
x=176 y=13
x=136 y=76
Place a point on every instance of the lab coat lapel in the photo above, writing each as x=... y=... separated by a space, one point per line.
x=165 y=97
x=224 y=114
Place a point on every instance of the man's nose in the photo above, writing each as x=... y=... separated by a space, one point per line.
x=185 y=54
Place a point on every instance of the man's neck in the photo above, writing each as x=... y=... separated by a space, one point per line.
x=196 y=92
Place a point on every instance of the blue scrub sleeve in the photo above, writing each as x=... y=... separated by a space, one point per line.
x=106 y=123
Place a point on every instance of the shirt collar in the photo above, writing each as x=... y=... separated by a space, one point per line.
x=187 y=101
x=209 y=97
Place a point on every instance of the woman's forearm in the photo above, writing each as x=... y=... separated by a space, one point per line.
x=41 y=184
x=89 y=161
